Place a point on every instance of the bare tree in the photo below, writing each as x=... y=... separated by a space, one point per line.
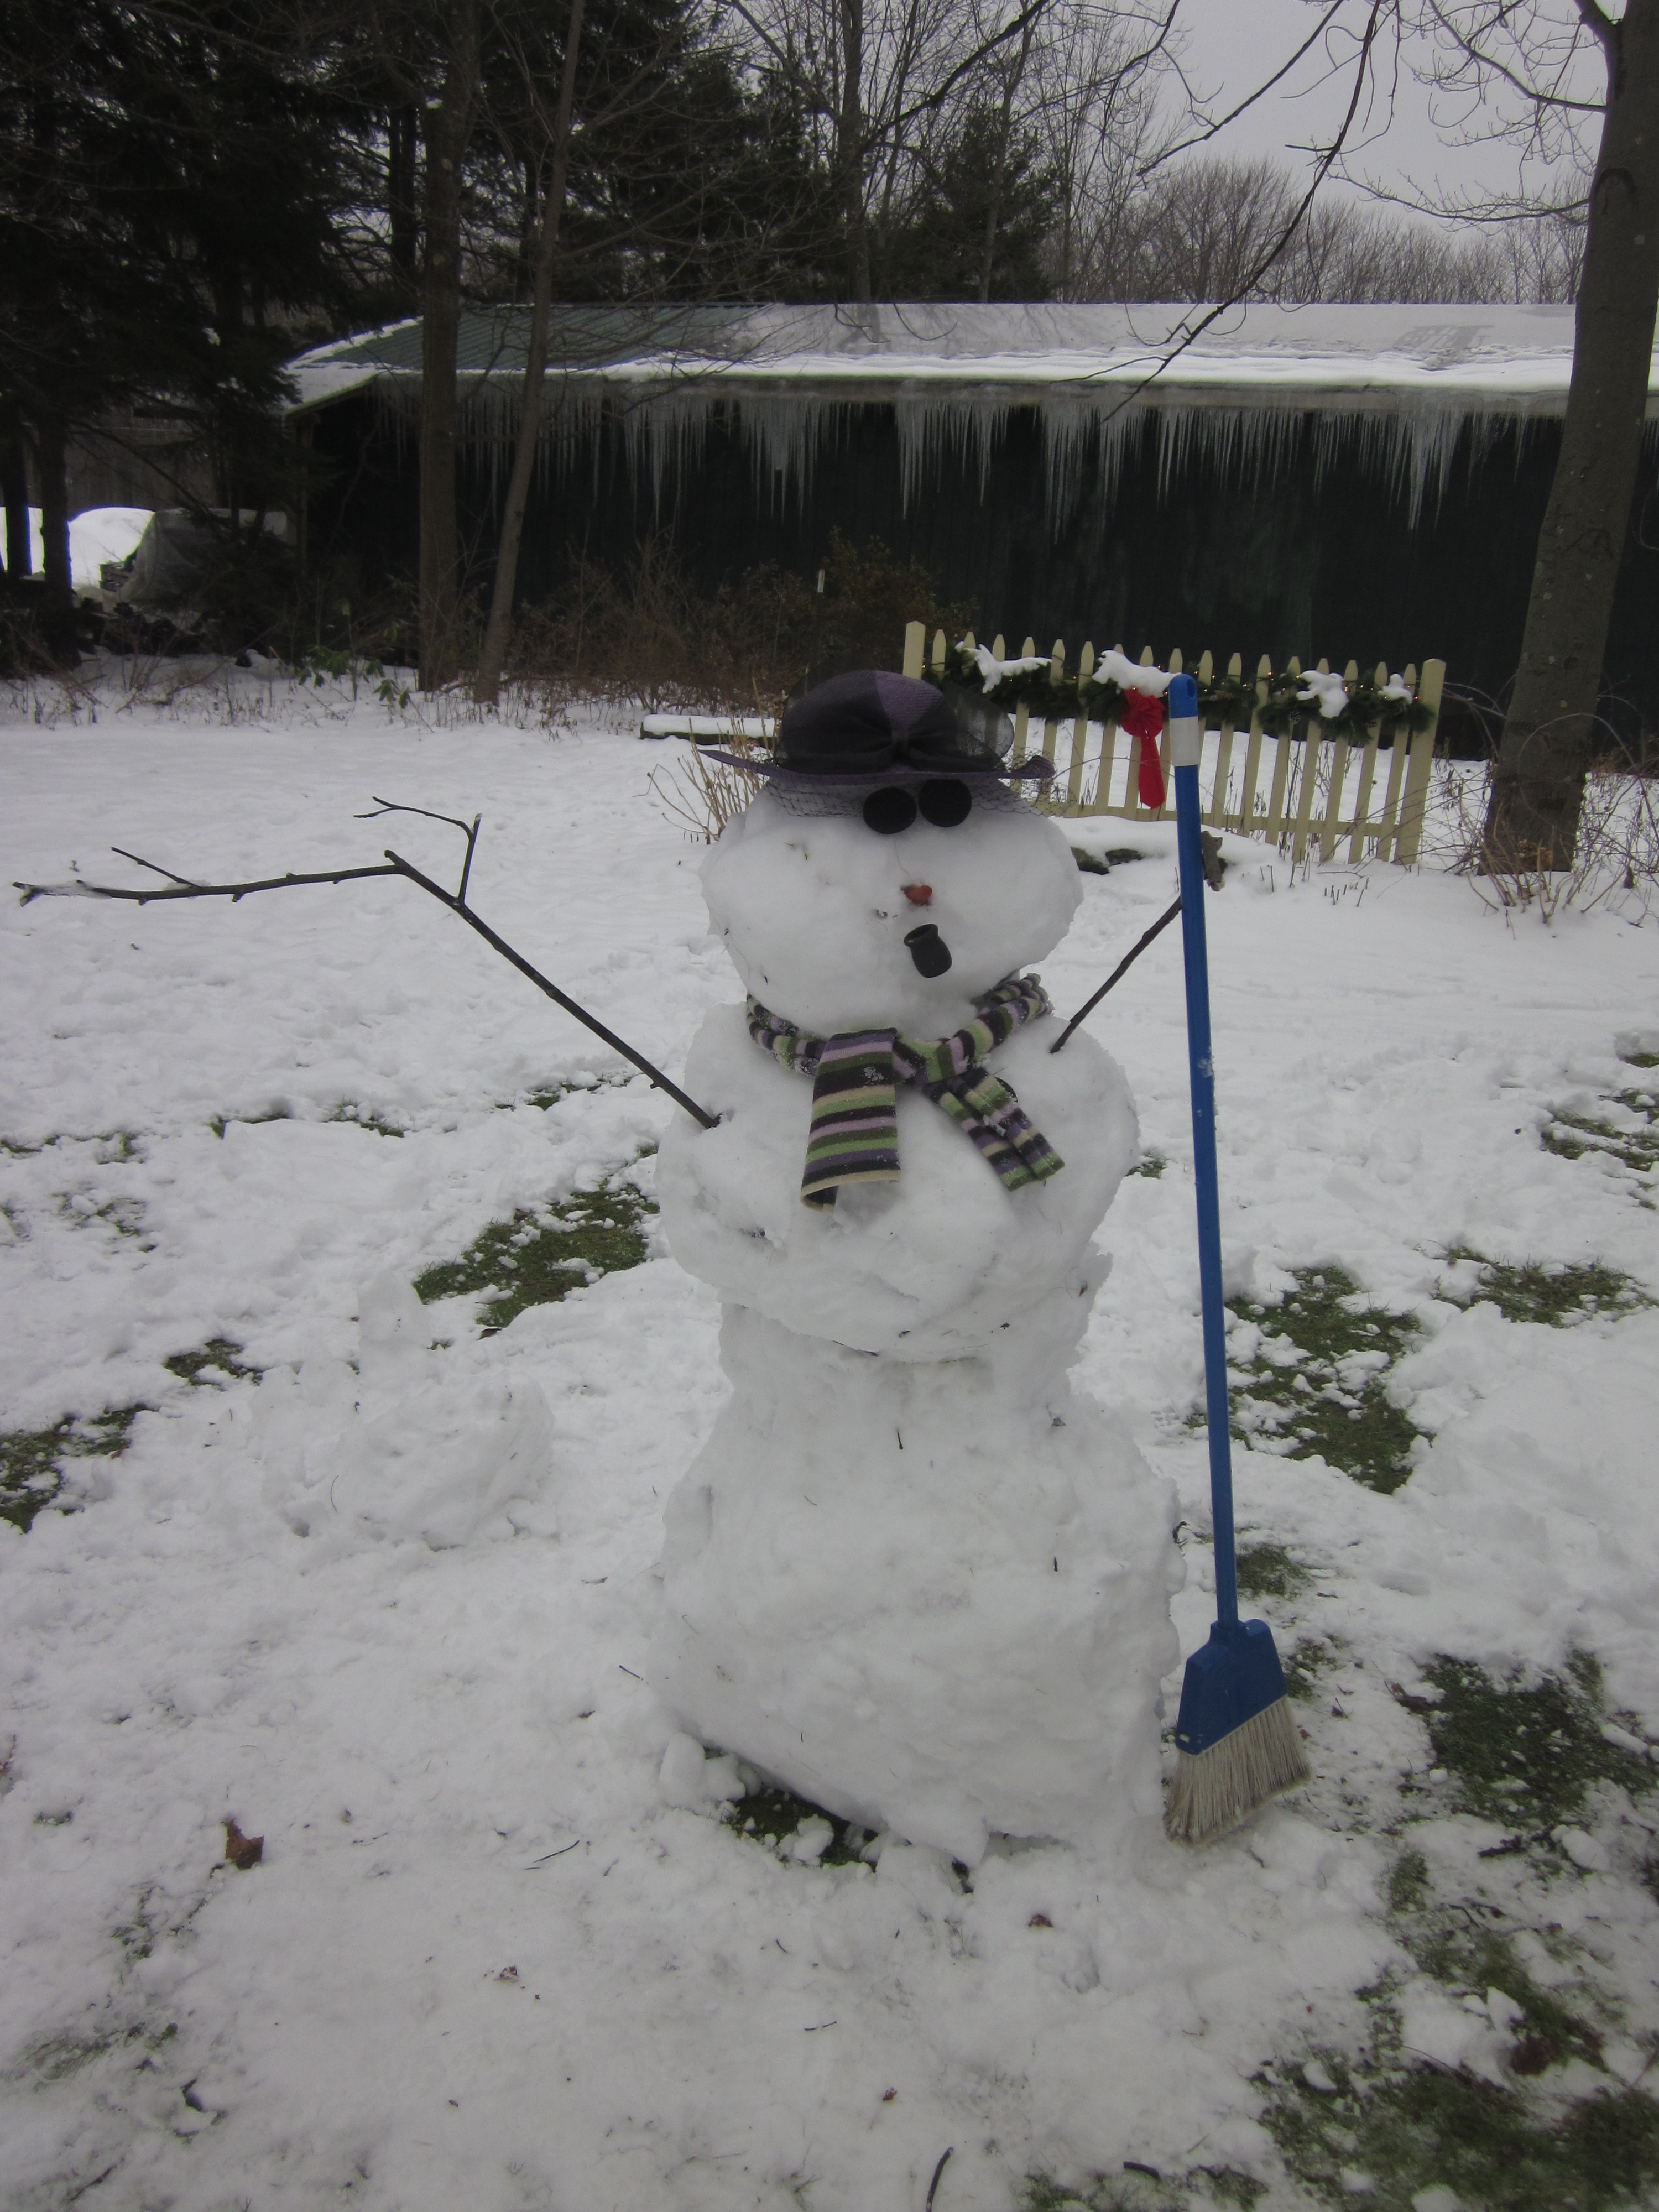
x=874 y=78
x=488 y=686
x=448 y=125
x=1102 y=128
x=1550 y=84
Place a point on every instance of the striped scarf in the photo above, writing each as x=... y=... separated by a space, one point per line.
x=854 y=1133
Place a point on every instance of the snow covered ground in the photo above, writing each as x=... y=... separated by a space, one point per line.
x=387 y=1607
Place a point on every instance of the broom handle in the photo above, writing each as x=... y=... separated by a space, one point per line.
x=1186 y=747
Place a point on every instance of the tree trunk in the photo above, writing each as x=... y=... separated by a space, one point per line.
x=446 y=148
x=486 y=689
x=402 y=219
x=51 y=459
x=850 y=148
x=1538 y=787
x=14 y=493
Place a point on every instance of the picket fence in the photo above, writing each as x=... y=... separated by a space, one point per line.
x=1310 y=794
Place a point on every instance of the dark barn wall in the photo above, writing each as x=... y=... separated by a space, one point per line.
x=1285 y=564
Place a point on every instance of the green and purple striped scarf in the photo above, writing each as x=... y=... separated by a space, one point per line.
x=855 y=1079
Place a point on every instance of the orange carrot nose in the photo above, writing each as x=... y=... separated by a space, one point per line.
x=918 y=894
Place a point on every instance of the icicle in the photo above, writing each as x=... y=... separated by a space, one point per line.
x=934 y=427
x=1074 y=426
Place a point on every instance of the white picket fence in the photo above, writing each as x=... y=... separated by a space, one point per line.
x=1313 y=795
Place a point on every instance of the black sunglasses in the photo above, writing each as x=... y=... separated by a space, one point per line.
x=945 y=802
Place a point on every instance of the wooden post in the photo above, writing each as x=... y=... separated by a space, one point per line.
x=939 y=653
x=1224 y=759
x=1339 y=777
x=1146 y=661
x=1051 y=728
x=1253 y=749
x=915 y=643
x=1079 y=737
x=1386 y=849
x=1311 y=742
x=1022 y=713
x=1362 y=804
x=1275 y=823
x=1414 y=805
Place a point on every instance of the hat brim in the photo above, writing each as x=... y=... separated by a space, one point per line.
x=863 y=779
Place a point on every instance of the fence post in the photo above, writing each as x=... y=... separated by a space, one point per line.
x=1362 y=804
x=1275 y=823
x=1338 y=776
x=1022 y=713
x=1311 y=742
x=915 y=638
x=1051 y=729
x=1264 y=671
x=1414 y=805
x=1079 y=736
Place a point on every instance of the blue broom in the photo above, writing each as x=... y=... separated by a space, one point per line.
x=1236 y=1740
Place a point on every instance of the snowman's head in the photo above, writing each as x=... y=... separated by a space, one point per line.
x=892 y=905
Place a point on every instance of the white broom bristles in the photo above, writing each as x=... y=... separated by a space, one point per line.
x=1214 y=1790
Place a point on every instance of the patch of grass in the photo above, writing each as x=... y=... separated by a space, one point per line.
x=1120 y=856
x=125 y=1216
x=31 y=1460
x=1636 y=1142
x=1552 y=1292
x=1150 y=1164
x=1268 y=1571
x=550 y=1095
x=218 y=1356
x=772 y=1814
x=1427 y=2127
x=536 y=1258
x=221 y=1122
x=1309 y=1657
x=1640 y=1058
x=364 y=1117
x=1090 y=864
x=1318 y=1381
x=59 y=2057
x=1136 y=2188
x=1527 y=1754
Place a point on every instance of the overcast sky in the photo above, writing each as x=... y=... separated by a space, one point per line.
x=1231 y=45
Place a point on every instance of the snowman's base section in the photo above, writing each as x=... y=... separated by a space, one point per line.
x=932 y=1597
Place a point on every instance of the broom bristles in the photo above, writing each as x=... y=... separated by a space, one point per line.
x=1216 y=1789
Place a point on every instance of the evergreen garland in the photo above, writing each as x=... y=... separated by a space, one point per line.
x=1228 y=698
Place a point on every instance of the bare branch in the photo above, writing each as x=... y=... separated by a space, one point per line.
x=394 y=865
x=1332 y=9
x=152 y=867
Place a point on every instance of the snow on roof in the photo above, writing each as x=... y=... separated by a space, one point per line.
x=1402 y=388
x=1345 y=358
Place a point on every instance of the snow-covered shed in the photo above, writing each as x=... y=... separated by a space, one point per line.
x=1321 y=480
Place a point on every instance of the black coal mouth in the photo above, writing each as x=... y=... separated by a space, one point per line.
x=928 y=949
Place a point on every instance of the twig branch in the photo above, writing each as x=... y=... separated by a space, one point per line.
x=392 y=806
x=1117 y=974
x=152 y=867
x=393 y=865
x=232 y=891
x=402 y=867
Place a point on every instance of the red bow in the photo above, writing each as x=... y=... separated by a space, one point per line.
x=1142 y=716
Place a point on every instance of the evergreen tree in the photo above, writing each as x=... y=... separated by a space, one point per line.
x=937 y=249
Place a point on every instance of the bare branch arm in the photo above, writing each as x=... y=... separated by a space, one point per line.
x=393 y=865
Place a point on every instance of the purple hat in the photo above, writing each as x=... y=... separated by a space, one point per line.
x=874 y=728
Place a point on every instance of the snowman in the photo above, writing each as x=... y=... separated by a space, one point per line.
x=913 y=1574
